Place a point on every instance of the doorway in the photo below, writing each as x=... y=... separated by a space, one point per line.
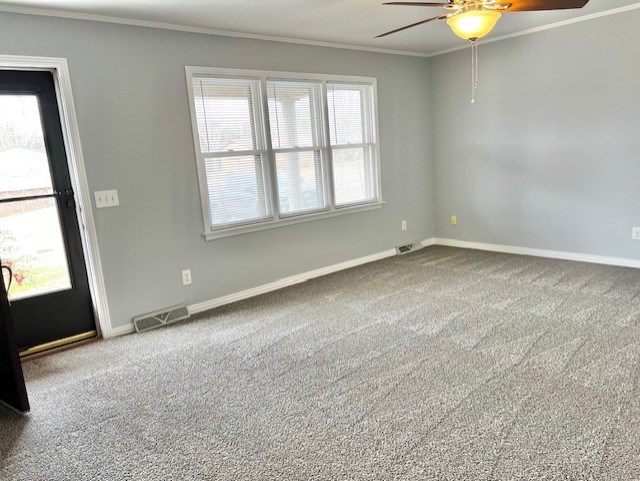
x=40 y=238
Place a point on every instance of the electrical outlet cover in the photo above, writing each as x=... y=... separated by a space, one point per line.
x=186 y=277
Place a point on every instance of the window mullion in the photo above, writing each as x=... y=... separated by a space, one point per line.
x=271 y=157
x=327 y=147
x=258 y=160
x=317 y=134
x=365 y=103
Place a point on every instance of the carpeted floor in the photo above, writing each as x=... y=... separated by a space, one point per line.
x=445 y=364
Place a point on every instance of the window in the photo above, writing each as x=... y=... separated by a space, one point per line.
x=275 y=149
x=353 y=144
x=232 y=150
x=299 y=148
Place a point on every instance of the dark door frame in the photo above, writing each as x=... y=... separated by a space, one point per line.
x=58 y=316
x=75 y=161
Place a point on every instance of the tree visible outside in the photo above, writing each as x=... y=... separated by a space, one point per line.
x=30 y=237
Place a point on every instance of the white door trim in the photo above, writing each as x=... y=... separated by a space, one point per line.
x=75 y=160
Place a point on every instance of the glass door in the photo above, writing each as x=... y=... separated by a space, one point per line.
x=39 y=234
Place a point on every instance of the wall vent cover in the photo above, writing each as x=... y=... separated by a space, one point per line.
x=161 y=318
x=406 y=248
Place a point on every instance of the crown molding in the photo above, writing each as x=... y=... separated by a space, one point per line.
x=202 y=30
x=542 y=28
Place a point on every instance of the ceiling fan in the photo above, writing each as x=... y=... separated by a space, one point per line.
x=473 y=19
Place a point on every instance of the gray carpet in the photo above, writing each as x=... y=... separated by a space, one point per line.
x=445 y=364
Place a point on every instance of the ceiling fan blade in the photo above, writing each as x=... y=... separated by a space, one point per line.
x=441 y=17
x=533 y=5
x=420 y=4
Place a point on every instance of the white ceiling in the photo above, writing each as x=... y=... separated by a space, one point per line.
x=348 y=22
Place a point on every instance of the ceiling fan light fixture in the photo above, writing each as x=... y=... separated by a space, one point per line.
x=473 y=24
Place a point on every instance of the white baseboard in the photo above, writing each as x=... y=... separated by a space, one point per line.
x=287 y=281
x=323 y=271
x=122 y=330
x=296 y=279
x=528 y=251
x=279 y=284
x=431 y=241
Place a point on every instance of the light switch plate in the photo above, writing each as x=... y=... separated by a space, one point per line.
x=106 y=198
x=635 y=233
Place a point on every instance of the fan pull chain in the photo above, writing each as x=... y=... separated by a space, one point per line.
x=474 y=70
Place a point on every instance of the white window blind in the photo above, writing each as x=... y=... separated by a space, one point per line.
x=233 y=150
x=275 y=149
x=353 y=143
x=297 y=137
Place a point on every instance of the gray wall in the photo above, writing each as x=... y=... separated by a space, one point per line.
x=131 y=100
x=549 y=156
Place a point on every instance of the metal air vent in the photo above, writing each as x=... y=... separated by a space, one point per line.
x=406 y=248
x=160 y=318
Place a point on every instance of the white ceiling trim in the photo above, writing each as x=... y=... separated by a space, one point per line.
x=203 y=30
x=542 y=28
x=272 y=38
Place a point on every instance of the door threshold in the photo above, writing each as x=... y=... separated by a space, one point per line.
x=60 y=345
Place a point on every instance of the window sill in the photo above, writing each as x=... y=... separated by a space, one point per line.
x=273 y=224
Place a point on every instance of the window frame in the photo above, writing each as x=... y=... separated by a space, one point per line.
x=258 y=151
x=322 y=149
x=278 y=219
x=374 y=141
